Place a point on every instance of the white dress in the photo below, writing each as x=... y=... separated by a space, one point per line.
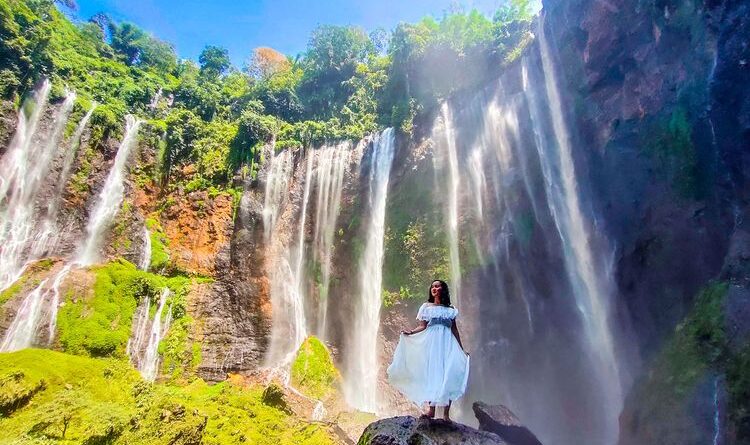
x=430 y=366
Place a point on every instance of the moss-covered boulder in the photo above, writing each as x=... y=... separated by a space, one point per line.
x=313 y=371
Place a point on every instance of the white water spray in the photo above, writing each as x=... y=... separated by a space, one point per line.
x=22 y=172
x=48 y=237
x=453 y=185
x=360 y=388
x=288 y=292
x=22 y=330
x=332 y=163
x=591 y=282
x=110 y=197
x=144 y=348
x=146 y=255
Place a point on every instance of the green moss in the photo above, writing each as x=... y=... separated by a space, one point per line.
x=313 y=371
x=159 y=246
x=697 y=350
x=100 y=401
x=98 y=322
x=12 y=290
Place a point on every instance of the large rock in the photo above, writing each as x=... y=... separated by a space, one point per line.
x=407 y=430
x=500 y=420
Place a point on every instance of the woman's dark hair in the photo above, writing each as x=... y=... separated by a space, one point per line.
x=445 y=294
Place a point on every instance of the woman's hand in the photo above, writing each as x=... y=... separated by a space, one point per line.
x=406 y=331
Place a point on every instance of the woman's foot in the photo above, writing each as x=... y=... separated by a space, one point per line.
x=429 y=414
x=446 y=413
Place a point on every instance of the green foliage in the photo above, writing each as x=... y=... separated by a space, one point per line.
x=95 y=401
x=433 y=59
x=331 y=59
x=98 y=322
x=278 y=93
x=313 y=371
x=214 y=61
x=344 y=86
x=416 y=249
x=136 y=47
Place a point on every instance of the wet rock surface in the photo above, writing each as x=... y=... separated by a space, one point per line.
x=407 y=430
x=500 y=420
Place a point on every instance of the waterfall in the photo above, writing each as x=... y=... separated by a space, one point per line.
x=135 y=343
x=360 y=388
x=452 y=198
x=332 y=163
x=276 y=191
x=47 y=240
x=717 y=413
x=590 y=280
x=55 y=300
x=143 y=346
x=22 y=172
x=288 y=288
x=110 y=197
x=23 y=331
x=146 y=258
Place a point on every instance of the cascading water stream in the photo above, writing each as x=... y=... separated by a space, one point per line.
x=332 y=163
x=46 y=241
x=276 y=191
x=135 y=342
x=360 y=388
x=717 y=413
x=288 y=289
x=23 y=331
x=453 y=185
x=143 y=346
x=110 y=197
x=589 y=279
x=22 y=171
x=146 y=255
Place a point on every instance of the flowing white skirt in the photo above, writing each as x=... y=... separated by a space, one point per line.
x=430 y=366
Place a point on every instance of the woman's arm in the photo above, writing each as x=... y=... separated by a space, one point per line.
x=454 y=329
x=422 y=326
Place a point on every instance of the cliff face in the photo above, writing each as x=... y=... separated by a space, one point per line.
x=652 y=85
x=656 y=112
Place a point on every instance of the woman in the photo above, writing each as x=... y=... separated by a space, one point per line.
x=430 y=365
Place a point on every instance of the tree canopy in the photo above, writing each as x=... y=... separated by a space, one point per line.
x=346 y=84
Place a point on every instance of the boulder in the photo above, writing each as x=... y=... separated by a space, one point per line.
x=407 y=430
x=500 y=420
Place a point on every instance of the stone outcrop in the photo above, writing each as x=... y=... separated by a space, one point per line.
x=500 y=420
x=407 y=430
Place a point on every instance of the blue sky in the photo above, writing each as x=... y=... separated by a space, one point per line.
x=241 y=25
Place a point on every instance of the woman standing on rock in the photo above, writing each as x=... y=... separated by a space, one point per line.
x=430 y=365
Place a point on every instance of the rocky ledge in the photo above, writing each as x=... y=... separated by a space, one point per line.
x=407 y=430
x=498 y=426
